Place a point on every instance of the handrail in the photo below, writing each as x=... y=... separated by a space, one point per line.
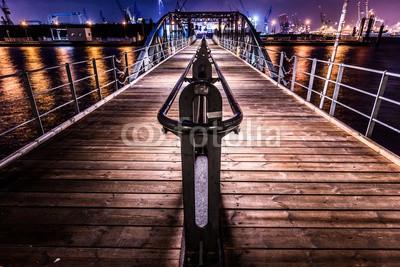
x=289 y=79
x=179 y=127
x=116 y=76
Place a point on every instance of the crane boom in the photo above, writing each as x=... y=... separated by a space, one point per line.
x=103 y=19
x=126 y=13
x=184 y=4
x=244 y=9
x=6 y=19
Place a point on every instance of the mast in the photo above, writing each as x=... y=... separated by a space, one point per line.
x=359 y=14
x=335 y=48
x=366 y=9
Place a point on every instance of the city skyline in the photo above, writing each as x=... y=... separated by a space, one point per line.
x=305 y=9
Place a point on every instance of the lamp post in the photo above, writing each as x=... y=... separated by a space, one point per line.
x=308 y=22
x=273 y=26
x=24 y=24
x=124 y=25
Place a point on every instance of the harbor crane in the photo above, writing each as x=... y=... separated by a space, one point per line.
x=267 y=18
x=53 y=18
x=136 y=11
x=161 y=7
x=126 y=13
x=103 y=18
x=228 y=3
x=6 y=18
x=325 y=22
x=85 y=15
x=244 y=9
x=179 y=6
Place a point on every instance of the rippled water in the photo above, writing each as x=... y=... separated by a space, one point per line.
x=17 y=59
x=384 y=58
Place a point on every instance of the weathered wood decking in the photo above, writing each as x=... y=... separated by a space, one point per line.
x=299 y=190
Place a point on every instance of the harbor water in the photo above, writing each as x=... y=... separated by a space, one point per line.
x=15 y=59
x=50 y=85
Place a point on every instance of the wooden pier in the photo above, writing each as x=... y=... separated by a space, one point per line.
x=297 y=189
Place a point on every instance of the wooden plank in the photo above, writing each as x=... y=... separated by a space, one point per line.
x=64 y=256
x=175 y=187
x=250 y=176
x=92 y=236
x=164 y=201
x=316 y=257
x=288 y=238
x=236 y=166
x=312 y=219
x=91 y=216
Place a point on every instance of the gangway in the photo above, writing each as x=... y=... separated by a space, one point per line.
x=106 y=186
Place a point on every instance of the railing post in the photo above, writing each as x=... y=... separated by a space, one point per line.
x=96 y=78
x=127 y=64
x=296 y=59
x=32 y=101
x=115 y=73
x=325 y=90
x=312 y=77
x=280 y=72
x=377 y=104
x=336 y=91
x=72 y=88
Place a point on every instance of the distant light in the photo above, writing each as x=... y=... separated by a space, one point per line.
x=124 y=22
x=308 y=22
x=89 y=22
x=273 y=22
x=255 y=18
x=57 y=23
x=24 y=23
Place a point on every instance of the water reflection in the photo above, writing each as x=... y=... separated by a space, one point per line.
x=15 y=59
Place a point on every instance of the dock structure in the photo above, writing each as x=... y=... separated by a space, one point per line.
x=306 y=193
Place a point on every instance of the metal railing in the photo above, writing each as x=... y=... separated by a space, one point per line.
x=76 y=91
x=330 y=91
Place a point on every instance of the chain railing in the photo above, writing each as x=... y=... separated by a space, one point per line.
x=330 y=91
x=77 y=93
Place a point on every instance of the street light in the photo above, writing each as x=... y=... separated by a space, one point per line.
x=273 y=22
x=255 y=19
x=24 y=24
x=308 y=22
x=124 y=25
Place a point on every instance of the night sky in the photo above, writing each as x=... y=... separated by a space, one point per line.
x=306 y=9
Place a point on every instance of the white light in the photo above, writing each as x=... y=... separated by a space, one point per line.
x=255 y=18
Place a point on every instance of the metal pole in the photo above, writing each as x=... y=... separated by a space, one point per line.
x=126 y=65
x=377 y=104
x=335 y=48
x=115 y=74
x=72 y=88
x=96 y=78
x=312 y=77
x=280 y=72
x=32 y=101
x=296 y=59
x=336 y=91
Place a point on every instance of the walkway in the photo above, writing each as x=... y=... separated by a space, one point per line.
x=297 y=190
